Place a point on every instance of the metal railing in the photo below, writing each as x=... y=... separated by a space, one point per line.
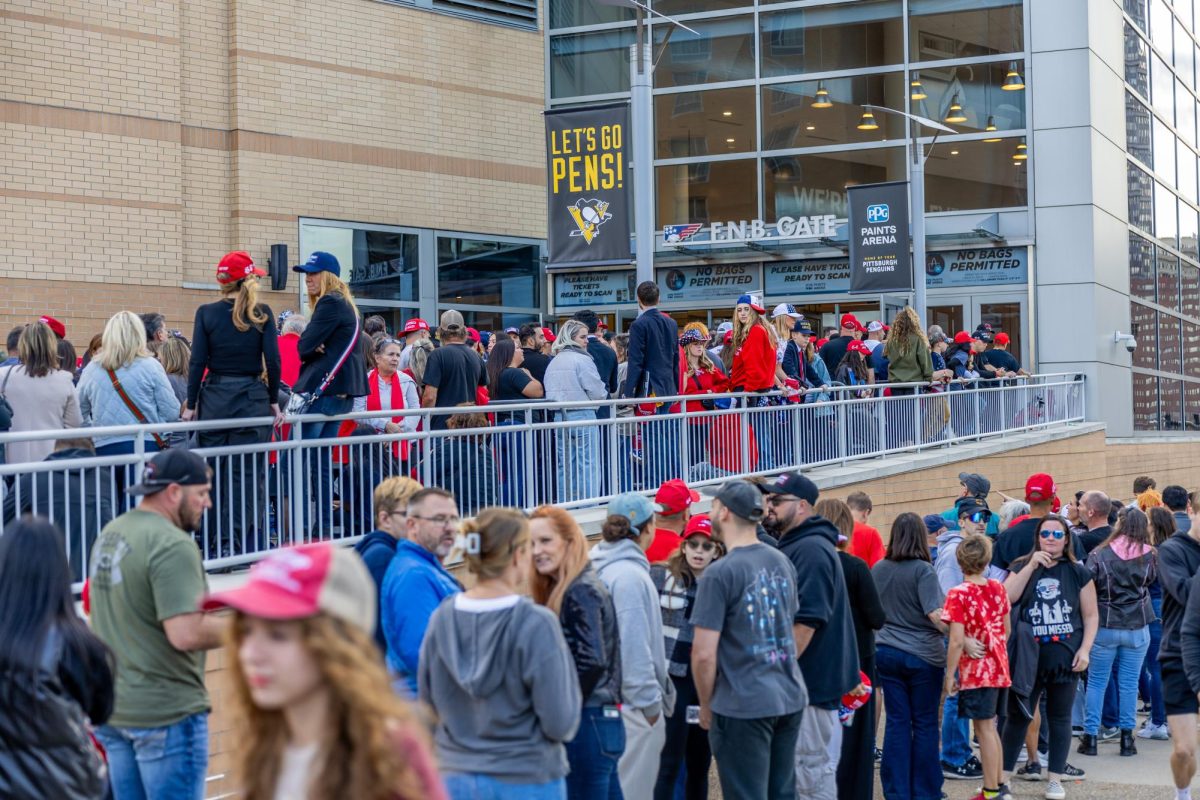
x=313 y=485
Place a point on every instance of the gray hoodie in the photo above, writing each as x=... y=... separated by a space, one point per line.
x=948 y=572
x=502 y=682
x=624 y=569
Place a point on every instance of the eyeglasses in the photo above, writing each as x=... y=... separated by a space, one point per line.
x=695 y=543
x=441 y=519
x=778 y=500
x=1052 y=534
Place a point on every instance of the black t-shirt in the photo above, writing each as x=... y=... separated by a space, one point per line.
x=1052 y=607
x=833 y=351
x=1000 y=359
x=1093 y=539
x=456 y=371
x=511 y=388
x=536 y=362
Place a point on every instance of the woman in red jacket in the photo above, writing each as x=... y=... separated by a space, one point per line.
x=700 y=377
x=753 y=367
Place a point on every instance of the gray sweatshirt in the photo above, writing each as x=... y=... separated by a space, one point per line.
x=624 y=569
x=572 y=375
x=502 y=682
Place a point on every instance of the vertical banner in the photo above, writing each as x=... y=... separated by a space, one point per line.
x=588 y=220
x=878 y=232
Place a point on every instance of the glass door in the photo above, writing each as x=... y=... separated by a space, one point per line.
x=1006 y=314
x=949 y=313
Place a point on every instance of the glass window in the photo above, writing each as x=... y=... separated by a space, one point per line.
x=1167 y=269
x=1161 y=26
x=1143 y=324
x=592 y=63
x=1136 y=9
x=1191 y=406
x=845 y=36
x=1138 y=130
x=965 y=175
x=1164 y=152
x=1004 y=318
x=1188 y=230
x=791 y=121
x=704 y=123
x=1186 y=170
x=724 y=51
x=975 y=90
x=714 y=191
x=940 y=29
x=1170 y=342
x=1141 y=268
x=1189 y=298
x=1185 y=113
x=1145 y=402
x=1170 y=404
x=572 y=13
x=1162 y=89
x=672 y=7
x=488 y=273
x=1141 y=199
x=801 y=186
x=1185 y=55
x=1137 y=65
x=1166 y=221
x=377 y=264
x=494 y=320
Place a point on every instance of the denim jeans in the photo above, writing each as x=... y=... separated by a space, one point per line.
x=1151 y=682
x=593 y=755
x=1128 y=650
x=956 y=735
x=319 y=461
x=756 y=757
x=167 y=763
x=578 y=451
x=912 y=688
x=462 y=786
x=510 y=460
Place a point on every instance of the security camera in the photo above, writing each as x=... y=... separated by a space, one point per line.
x=1126 y=339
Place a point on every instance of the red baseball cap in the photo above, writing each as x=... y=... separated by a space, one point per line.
x=962 y=337
x=548 y=335
x=728 y=337
x=850 y=321
x=674 y=496
x=303 y=581
x=415 y=324
x=858 y=347
x=1002 y=339
x=699 y=525
x=473 y=335
x=235 y=266
x=1040 y=488
x=59 y=329
x=819 y=343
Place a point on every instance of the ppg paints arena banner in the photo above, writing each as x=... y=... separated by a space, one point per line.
x=879 y=257
x=588 y=219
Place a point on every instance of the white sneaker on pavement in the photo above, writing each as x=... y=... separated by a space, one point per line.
x=1055 y=791
x=1149 y=731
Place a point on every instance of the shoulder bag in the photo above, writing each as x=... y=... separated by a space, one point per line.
x=162 y=443
x=301 y=402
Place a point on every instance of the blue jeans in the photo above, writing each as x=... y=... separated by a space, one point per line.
x=956 y=735
x=1151 y=682
x=167 y=763
x=593 y=755
x=577 y=451
x=1127 y=649
x=320 y=460
x=510 y=459
x=482 y=787
x=912 y=688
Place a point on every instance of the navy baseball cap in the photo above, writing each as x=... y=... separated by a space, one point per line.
x=320 y=261
x=172 y=466
x=794 y=484
x=803 y=326
x=934 y=523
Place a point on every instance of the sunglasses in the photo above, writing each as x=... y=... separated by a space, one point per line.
x=1052 y=534
x=698 y=544
x=980 y=516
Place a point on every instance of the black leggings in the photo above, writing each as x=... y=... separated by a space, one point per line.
x=1059 y=698
x=686 y=744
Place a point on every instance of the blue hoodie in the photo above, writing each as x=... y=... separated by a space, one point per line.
x=376 y=550
x=413 y=586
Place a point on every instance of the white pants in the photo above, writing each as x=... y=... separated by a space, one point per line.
x=818 y=750
x=638 y=767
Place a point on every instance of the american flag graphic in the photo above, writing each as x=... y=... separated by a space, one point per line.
x=674 y=234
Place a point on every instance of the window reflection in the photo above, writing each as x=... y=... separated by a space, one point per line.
x=1185 y=56
x=1185 y=113
x=377 y=264
x=1170 y=404
x=1141 y=268
x=796 y=186
x=718 y=191
x=1145 y=402
x=1164 y=152
x=704 y=123
x=488 y=273
x=1186 y=169
x=1188 y=230
x=1189 y=299
x=592 y=63
x=976 y=88
x=1166 y=223
x=966 y=175
x=1143 y=322
x=724 y=51
x=1136 y=9
x=572 y=13
x=1141 y=199
x=1161 y=26
x=867 y=33
x=1167 y=269
x=946 y=29
x=1138 y=130
x=1191 y=405
x=1162 y=89
x=1137 y=65
x=791 y=121
x=673 y=7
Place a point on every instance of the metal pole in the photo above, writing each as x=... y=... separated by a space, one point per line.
x=917 y=193
x=641 y=110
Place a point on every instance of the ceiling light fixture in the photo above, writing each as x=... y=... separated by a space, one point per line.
x=991 y=126
x=1013 y=82
x=822 y=100
x=868 y=123
x=726 y=113
x=955 y=114
x=918 y=91
x=1022 y=152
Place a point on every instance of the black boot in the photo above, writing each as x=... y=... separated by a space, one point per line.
x=1128 y=748
x=1087 y=745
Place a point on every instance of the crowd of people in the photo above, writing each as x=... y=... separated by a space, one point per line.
x=244 y=363
x=765 y=637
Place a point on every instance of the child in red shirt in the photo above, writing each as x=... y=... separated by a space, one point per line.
x=979 y=607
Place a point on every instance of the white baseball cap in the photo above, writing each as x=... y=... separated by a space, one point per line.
x=874 y=325
x=786 y=310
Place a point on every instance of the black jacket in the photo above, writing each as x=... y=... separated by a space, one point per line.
x=793 y=362
x=1123 y=588
x=333 y=325
x=1018 y=541
x=79 y=501
x=830 y=662
x=653 y=356
x=833 y=351
x=219 y=347
x=589 y=624
x=1178 y=561
x=1189 y=636
x=606 y=364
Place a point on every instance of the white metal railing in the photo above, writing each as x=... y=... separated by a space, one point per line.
x=294 y=489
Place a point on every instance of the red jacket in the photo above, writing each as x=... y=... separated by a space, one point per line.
x=710 y=382
x=289 y=358
x=754 y=362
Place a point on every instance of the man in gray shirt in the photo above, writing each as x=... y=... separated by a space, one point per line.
x=744 y=655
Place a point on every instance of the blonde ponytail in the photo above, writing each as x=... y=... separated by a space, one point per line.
x=245 y=304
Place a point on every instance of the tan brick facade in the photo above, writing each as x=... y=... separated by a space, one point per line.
x=142 y=139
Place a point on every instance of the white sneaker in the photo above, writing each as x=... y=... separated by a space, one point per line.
x=1055 y=791
x=1149 y=731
